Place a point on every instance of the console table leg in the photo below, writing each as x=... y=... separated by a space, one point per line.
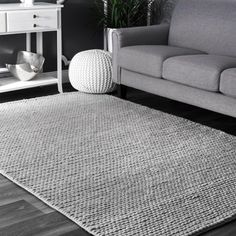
x=28 y=42
x=59 y=56
x=39 y=43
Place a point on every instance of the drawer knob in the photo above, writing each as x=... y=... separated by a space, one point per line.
x=35 y=25
x=34 y=16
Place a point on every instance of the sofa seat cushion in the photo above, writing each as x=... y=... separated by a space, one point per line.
x=148 y=59
x=199 y=71
x=228 y=82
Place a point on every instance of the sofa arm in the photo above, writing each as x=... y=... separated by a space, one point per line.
x=147 y=35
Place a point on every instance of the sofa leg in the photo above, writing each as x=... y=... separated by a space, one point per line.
x=121 y=91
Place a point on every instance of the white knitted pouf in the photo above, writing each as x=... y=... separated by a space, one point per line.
x=91 y=72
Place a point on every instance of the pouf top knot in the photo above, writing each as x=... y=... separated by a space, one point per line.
x=91 y=71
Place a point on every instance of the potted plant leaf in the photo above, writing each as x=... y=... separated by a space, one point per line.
x=115 y=14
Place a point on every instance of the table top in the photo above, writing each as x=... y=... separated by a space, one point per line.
x=22 y=6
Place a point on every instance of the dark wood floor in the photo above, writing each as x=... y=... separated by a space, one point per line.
x=23 y=214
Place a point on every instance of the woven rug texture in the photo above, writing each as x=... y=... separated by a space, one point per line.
x=118 y=168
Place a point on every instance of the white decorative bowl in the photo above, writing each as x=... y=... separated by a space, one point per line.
x=28 y=2
x=28 y=65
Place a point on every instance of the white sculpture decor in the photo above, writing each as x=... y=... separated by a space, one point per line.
x=28 y=65
x=91 y=72
x=28 y=2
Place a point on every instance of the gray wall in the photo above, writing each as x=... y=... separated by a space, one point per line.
x=80 y=32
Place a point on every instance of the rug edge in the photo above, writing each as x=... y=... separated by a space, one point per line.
x=88 y=229
x=84 y=227
x=215 y=226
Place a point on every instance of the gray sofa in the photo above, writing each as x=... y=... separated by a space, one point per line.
x=192 y=60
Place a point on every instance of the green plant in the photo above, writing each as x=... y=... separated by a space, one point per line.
x=123 y=13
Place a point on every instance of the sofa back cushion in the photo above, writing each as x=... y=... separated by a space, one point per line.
x=205 y=25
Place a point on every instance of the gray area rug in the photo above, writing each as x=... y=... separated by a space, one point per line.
x=117 y=168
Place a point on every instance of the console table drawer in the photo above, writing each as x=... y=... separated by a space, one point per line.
x=32 y=20
x=3 y=27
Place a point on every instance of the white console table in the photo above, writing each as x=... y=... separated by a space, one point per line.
x=39 y=18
